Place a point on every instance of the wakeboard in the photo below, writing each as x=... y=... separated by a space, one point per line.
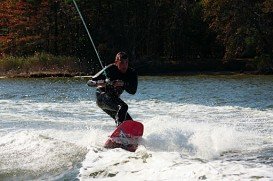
x=126 y=136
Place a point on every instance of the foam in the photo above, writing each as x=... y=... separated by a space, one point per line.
x=118 y=164
x=181 y=141
x=31 y=155
x=181 y=149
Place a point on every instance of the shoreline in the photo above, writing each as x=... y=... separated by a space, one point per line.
x=181 y=73
x=39 y=75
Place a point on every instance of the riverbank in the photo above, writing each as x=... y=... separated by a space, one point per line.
x=46 y=65
x=83 y=75
x=42 y=74
x=39 y=65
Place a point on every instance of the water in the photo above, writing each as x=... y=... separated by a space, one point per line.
x=196 y=128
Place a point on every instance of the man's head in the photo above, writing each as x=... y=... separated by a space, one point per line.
x=121 y=61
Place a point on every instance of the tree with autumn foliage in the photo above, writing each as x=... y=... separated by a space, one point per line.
x=17 y=36
x=163 y=32
x=244 y=27
x=31 y=26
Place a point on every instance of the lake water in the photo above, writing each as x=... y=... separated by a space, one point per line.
x=195 y=128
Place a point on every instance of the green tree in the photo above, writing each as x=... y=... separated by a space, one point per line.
x=244 y=27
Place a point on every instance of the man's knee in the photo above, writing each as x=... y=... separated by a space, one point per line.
x=99 y=100
x=100 y=103
x=124 y=107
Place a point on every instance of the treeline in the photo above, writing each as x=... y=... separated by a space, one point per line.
x=159 y=32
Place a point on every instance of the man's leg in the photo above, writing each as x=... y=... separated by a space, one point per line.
x=114 y=113
x=128 y=117
x=114 y=107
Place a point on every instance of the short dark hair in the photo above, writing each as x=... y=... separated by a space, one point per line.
x=121 y=56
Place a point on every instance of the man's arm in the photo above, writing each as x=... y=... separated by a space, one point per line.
x=99 y=78
x=101 y=74
x=99 y=83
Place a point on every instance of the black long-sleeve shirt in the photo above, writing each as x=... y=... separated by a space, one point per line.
x=113 y=73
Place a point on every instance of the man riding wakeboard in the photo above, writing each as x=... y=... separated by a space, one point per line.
x=110 y=82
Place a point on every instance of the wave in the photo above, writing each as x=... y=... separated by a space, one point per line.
x=31 y=155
